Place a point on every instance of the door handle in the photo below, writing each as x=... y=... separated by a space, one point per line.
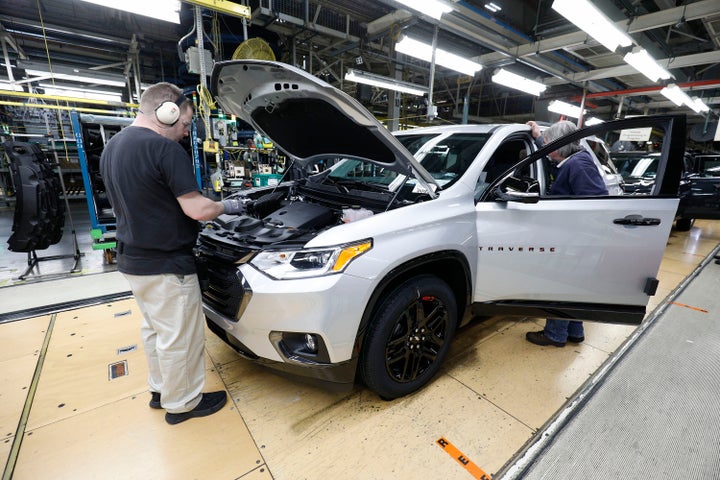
x=637 y=221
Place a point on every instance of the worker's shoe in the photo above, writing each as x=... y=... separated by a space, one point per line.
x=155 y=400
x=539 y=338
x=210 y=403
x=572 y=339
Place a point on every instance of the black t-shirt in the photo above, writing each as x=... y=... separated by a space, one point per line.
x=144 y=173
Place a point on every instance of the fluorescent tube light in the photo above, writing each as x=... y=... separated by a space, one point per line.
x=81 y=93
x=679 y=98
x=593 y=121
x=513 y=80
x=75 y=78
x=698 y=105
x=11 y=87
x=593 y=22
x=676 y=95
x=167 y=10
x=63 y=72
x=493 y=7
x=367 y=78
x=423 y=51
x=434 y=8
x=564 y=108
x=645 y=64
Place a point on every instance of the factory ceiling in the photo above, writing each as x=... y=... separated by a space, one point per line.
x=328 y=37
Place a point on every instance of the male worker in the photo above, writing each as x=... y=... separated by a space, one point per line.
x=157 y=203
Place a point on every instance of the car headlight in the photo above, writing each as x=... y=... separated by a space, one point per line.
x=290 y=264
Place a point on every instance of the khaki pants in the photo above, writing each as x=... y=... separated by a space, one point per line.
x=173 y=335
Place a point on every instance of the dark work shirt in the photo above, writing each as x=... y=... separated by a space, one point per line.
x=578 y=175
x=144 y=173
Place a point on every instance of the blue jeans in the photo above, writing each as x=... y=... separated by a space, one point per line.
x=559 y=330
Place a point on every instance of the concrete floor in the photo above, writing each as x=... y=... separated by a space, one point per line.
x=62 y=417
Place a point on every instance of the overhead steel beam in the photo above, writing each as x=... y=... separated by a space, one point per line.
x=693 y=11
x=625 y=69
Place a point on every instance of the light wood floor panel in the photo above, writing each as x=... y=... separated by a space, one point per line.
x=20 y=345
x=312 y=434
x=22 y=338
x=84 y=343
x=125 y=439
x=5 y=447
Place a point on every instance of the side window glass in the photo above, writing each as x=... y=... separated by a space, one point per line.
x=710 y=166
x=602 y=154
x=448 y=159
x=506 y=157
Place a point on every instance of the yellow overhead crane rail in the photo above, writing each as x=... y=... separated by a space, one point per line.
x=223 y=6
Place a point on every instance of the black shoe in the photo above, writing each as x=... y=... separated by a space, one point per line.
x=575 y=339
x=210 y=403
x=539 y=338
x=155 y=400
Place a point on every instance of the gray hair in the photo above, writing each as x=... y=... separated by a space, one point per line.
x=560 y=129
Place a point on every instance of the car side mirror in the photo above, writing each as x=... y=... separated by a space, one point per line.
x=515 y=196
x=518 y=189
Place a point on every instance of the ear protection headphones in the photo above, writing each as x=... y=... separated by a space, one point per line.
x=169 y=112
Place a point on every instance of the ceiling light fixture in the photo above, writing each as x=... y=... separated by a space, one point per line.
x=367 y=78
x=645 y=64
x=423 y=51
x=434 y=8
x=698 y=105
x=518 y=82
x=81 y=93
x=167 y=10
x=675 y=94
x=679 y=98
x=593 y=22
x=564 y=108
x=593 y=121
x=10 y=87
x=493 y=7
x=61 y=72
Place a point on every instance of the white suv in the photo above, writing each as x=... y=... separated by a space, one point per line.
x=370 y=266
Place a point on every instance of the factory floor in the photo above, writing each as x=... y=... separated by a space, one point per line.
x=74 y=398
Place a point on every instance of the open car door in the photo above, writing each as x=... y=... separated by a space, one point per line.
x=586 y=258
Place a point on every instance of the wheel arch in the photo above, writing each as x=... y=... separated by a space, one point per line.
x=449 y=265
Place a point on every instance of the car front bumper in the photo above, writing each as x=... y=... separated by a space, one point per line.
x=329 y=307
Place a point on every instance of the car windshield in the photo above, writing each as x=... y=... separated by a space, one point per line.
x=362 y=171
x=709 y=166
x=445 y=158
x=636 y=165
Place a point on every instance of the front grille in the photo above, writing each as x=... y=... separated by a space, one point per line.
x=222 y=288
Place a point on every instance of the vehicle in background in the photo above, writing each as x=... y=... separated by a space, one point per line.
x=700 y=193
x=637 y=170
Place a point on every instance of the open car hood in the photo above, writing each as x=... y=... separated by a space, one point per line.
x=306 y=117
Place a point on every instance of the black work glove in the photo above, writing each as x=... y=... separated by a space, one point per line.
x=233 y=206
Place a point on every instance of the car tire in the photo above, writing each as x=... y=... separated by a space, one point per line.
x=409 y=337
x=684 y=224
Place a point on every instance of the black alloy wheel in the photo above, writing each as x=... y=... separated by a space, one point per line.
x=409 y=337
